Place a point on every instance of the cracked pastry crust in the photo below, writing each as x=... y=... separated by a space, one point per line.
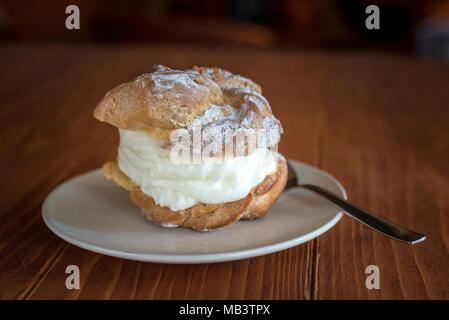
x=161 y=102
x=205 y=217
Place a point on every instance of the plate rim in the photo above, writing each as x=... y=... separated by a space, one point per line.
x=196 y=258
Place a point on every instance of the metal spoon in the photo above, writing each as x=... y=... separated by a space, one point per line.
x=369 y=219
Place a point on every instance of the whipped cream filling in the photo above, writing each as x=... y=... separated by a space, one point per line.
x=181 y=186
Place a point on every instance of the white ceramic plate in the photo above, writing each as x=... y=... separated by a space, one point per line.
x=95 y=214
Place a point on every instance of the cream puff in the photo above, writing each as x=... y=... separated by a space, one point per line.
x=197 y=147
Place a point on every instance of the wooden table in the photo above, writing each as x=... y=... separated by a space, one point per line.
x=378 y=123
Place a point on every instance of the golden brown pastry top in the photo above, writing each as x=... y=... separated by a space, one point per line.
x=165 y=98
x=168 y=99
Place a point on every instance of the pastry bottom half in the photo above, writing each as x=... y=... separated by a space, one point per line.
x=205 y=217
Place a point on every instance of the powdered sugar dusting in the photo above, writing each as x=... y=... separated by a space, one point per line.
x=225 y=78
x=172 y=83
x=249 y=118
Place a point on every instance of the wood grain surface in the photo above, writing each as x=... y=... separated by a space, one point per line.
x=378 y=123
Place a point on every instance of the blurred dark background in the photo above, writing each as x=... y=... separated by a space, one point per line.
x=414 y=27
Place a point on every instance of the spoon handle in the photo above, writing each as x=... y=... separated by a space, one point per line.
x=369 y=219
